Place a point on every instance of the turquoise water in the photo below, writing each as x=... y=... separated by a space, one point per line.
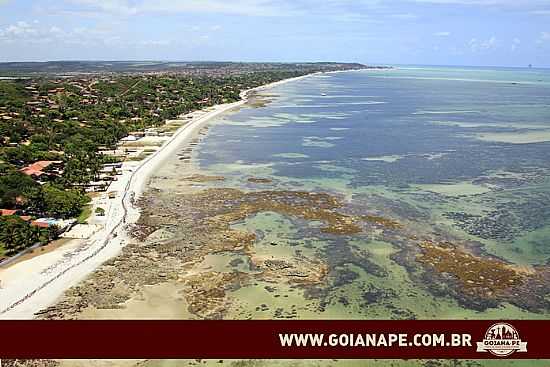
x=476 y=74
x=367 y=115
x=455 y=155
x=443 y=140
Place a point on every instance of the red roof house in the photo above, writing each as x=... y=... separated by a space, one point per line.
x=37 y=168
x=8 y=212
x=40 y=224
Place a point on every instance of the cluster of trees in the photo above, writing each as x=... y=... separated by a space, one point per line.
x=16 y=235
x=19 y=191
x=81 y=116
x=122 y=104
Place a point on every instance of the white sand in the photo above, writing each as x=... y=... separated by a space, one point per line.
x=32 y=285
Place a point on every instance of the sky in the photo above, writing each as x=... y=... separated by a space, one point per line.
x=432 y=32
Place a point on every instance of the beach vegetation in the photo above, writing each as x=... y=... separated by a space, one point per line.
x=17 y=234
x=73 y=119
x=61 y=203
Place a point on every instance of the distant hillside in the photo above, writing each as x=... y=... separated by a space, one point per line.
x=95 y=67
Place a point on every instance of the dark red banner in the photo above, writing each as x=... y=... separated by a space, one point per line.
x=274 y=339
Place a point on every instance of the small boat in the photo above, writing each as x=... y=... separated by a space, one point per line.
x=323 y=94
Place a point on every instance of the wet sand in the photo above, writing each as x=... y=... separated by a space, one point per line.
x=33 y=288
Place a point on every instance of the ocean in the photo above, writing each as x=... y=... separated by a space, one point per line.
x=457 y=156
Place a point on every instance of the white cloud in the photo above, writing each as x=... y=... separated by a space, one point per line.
x=404 y=16
x=55 y=30
x=18 y=32
x=25 y=33
x=442 y=34
x=514 y=3
x=515 y=44
x=540 y=7
x=477 y=45
x=155 y=43
x=119 y=7
x=19 y=29
x=240 y=7
x=543 y=37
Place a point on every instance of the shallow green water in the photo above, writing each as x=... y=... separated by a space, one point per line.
x=457 y=153
x=443 y=131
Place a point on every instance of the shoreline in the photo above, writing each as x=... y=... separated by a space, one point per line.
x=29 y=286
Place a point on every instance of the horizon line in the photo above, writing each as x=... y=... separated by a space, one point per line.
x=528 y=66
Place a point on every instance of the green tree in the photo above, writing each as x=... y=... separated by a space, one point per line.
x=81 y=160
x=63 y=203
x=16 y=234
x=18 y=190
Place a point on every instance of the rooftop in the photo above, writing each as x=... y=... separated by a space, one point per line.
x=36 y=169
x=8 y=212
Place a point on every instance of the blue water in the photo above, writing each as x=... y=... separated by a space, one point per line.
x=461 y=154
x=409 y=112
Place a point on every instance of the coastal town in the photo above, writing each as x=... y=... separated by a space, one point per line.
x=69 y=139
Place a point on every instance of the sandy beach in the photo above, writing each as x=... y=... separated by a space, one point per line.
x=29 y=286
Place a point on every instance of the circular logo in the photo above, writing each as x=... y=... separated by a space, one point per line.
x=501 y=339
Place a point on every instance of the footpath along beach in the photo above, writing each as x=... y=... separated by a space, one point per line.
x=29 y=286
